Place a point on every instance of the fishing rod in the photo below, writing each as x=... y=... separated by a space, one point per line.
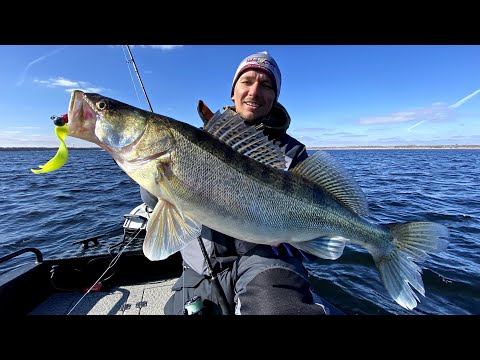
x=138 y=75
x=217 y=288
x=222 y=299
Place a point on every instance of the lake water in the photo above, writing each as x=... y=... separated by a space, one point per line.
x=90 y=195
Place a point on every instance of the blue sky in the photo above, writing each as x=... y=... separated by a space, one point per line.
x=337 y=95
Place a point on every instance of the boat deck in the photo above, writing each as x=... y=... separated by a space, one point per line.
x=127 y=282
x=141 y=299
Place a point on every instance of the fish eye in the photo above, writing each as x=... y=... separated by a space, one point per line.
x=103 y=104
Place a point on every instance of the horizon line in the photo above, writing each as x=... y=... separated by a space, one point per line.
x=307 y=147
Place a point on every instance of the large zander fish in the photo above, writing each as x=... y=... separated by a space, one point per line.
x=231 y=178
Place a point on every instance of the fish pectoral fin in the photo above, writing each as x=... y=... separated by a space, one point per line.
x=168 y=231
x=327 y=247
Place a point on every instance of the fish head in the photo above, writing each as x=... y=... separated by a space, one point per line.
x=104 y=121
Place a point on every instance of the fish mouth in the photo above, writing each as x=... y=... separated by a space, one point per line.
x=82 y=118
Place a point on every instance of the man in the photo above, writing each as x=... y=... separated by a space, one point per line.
x=255 y=279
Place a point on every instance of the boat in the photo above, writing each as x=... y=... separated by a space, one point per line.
x=101 y=275
x=106 y=274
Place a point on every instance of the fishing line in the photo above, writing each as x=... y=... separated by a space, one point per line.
x=131 y=75
x=112 y=263
x=139 y=78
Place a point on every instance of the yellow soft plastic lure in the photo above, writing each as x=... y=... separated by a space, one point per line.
x=60 y=157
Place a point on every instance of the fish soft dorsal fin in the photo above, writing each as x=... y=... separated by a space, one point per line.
x=324 y=170
x=230 y=128
x=168 y=231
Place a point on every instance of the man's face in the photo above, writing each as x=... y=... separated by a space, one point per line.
x=253 y=95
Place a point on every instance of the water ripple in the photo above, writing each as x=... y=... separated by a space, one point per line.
x=91 y=193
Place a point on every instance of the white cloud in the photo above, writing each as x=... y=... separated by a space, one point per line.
x=165 y=47
x=87 y=89
x=437 y=111
x=70 y=85
x=24 y=127
x=63 y=82
x=309 y=130
x=160 y=47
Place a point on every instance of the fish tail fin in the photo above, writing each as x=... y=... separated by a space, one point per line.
x=398 y=271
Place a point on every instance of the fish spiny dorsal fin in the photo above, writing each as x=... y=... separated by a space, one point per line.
x=229 y=128
x=324 y=170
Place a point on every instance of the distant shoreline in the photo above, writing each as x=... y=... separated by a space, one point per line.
x=372 y=147
x=46 y=148
x=396 y=147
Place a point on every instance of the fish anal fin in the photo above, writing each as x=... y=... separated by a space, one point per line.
x=327 y=247
x=168 y=231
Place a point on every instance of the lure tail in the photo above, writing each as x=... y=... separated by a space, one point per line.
x=60 y=157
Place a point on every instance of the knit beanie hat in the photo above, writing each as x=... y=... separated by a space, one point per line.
x=262 y=61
